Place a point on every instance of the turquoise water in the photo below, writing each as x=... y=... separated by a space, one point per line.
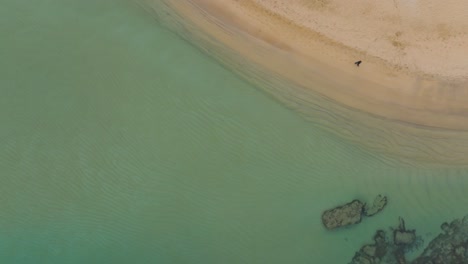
x=122 y=143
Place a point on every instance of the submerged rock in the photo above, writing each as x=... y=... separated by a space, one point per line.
x=372 y=253
x=348 y=214
x=385 y=250
x=352 y=213
x=404 y=237
x=449 y=247
x=379 y=203
x=445 y=227
x=401 y=236
x=380 y=243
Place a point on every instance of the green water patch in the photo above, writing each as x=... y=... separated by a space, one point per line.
x=122 y=143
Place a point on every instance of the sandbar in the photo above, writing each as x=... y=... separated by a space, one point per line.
x=409 y=95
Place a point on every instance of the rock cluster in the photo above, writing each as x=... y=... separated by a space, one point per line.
x=352 y=212
x=450 y=247
x=372 y=253
x=385 y=250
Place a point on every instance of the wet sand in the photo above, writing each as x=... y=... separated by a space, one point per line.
x=407 y=98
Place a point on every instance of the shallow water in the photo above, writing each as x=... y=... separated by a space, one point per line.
x=122 y=143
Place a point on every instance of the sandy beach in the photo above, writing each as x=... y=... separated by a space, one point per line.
x=412 y=84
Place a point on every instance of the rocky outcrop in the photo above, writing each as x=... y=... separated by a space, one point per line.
x=348 y=214
x=372 y=253
x=352 y=212
x=401 y=236
x=378 y=205
x=387 y=249
x=450 y=247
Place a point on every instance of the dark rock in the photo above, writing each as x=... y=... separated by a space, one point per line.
x=378 y=205
x=445 y=227
x=401 y=236
x=348 y=214
x=460 y=251
x=379 y=237
x=386 y=250
x=449 y=247
x=360 y=258
x=369 y=250
x=351 y=213
x=380 y=243
x=404 y=237
x=465 y=220
x=399 y=256
x=401 y=226
x=372 y=253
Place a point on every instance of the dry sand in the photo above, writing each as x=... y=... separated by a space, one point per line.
x=409 y=97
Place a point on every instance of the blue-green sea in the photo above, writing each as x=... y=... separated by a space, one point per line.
x=120 y=142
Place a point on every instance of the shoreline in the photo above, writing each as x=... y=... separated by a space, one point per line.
x=381 y=106
x=376 y=87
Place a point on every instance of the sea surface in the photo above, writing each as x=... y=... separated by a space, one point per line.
x=122 y=143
